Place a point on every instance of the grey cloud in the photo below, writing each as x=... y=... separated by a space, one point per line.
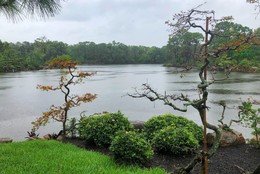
x=134 y=22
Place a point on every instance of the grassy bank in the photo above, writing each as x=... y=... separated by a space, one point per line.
x=53 y=157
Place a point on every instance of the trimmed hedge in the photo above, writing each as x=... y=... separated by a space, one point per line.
x=131 y=147
x=101 y=129
x=177 y=141
x=157 y=123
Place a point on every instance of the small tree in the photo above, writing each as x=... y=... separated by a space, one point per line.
x=182 y=22
x=60 y=113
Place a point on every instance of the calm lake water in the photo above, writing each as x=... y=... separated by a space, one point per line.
x=21 y=103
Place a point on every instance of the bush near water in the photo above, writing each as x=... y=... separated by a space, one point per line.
x=101 y=129
x=131 y=147
x=155 y=124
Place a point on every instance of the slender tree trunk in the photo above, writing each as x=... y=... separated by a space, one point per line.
x=64 y=122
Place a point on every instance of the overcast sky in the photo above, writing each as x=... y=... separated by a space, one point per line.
x=132 y=22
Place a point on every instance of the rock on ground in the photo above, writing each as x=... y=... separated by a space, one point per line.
x=228 y=138
x=6 y=140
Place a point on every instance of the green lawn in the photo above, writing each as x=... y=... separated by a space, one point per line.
x=49 y=157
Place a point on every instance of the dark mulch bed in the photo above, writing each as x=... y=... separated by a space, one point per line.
x=227 y=160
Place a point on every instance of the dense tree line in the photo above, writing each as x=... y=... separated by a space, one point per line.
x=181 y=50
x=29 y=56
x=115 y=53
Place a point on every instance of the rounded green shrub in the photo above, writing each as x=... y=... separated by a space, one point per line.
x=157 y=123
x=131 y=147
x=101 y=129
x=177 y=141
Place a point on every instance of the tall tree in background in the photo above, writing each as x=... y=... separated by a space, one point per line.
x=231 y=59
x=182 y=48
x=17 y=9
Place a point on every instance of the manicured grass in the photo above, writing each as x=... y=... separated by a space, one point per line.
x=52 y=157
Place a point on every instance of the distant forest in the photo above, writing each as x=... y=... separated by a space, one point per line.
x=181 y=50
x=32 y=56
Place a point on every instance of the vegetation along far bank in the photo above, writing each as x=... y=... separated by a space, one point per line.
x=182 y=50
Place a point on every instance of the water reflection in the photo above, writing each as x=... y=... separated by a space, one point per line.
x=242 y=80
x=5 y=87
x=231 y=103
x=226 y=91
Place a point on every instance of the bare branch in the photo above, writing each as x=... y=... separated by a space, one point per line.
x=152 y=95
